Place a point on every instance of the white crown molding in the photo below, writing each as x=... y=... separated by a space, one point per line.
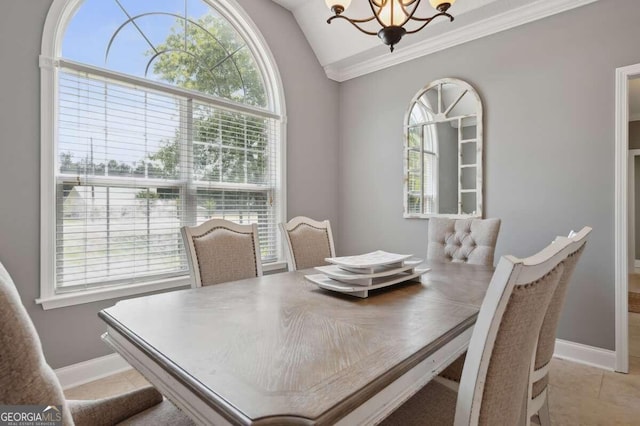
x=532 y=12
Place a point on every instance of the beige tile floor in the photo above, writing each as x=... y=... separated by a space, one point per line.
x=579 y=395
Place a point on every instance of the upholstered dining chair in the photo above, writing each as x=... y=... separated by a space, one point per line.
x=309 y=242
x=495 y=377
x=219 y=251
x=470 y=241
x=27 y=379
x=537 y=401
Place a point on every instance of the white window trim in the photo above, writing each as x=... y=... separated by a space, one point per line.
x=115 y=292
x=60 y=13
x=435 y=152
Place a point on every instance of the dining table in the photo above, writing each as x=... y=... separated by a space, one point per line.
x=278 y=350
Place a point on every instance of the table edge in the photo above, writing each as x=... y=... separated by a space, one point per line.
x=333 y=414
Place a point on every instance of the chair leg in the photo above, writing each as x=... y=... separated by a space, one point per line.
x=543 y=414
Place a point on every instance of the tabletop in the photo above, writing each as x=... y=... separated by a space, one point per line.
x=277 y=349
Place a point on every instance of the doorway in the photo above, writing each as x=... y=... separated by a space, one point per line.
x=627 y=184
x=634 y=219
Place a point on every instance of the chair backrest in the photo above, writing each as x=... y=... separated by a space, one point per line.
x=470 y=241
x=220 y=251
x=25 y=376
x=547 y=339
x=495 y=377
x=309 y=242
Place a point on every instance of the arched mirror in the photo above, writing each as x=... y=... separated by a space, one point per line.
x=443 y=152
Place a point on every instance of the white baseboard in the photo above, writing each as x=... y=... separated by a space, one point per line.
x=584 y=354
x=636 y=263
x=93 y=369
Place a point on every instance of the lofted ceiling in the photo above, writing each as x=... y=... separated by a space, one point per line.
x=346 y=53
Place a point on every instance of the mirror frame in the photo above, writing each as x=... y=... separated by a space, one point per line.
x=439 y=119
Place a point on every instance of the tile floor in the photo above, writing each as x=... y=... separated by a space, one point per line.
x=579 y=395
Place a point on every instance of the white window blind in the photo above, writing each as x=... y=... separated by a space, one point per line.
x=421 y=148
x=135 y=163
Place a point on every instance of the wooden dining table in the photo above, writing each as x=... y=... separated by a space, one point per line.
x=279 y=350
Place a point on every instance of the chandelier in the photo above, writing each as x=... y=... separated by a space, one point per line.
x=392 y=15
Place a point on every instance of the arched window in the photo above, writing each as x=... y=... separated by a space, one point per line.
x=421 y=150
x=156 y=115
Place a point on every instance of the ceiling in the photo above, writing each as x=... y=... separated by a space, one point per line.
x=346 y=53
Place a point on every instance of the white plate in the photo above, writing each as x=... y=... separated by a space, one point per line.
x=339 y=273
x=369 y=260
x=325 y=282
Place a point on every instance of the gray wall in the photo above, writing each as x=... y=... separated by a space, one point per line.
x=71 y=335
x=548 y=92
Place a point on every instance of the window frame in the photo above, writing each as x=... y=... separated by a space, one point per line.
x=50 y=61
x=426 y=125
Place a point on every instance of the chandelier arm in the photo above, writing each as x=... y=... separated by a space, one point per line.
x=427 y=20
x=391 y=33
x=413 y=12
x=359 y=21
x=375 y=15
x=354 y=22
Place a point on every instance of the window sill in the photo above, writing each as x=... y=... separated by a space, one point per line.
x=274 y=267
x=440 y=215
x=97 y=295
x=88 y=296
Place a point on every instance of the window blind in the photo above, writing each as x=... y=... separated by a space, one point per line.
x=135 y=164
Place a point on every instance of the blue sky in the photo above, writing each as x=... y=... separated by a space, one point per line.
x=96 y=21
x=127 y=124
x=82 y=116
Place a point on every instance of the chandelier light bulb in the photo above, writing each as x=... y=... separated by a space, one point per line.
x=337 y=6
x=442 y=4
x=392 y=13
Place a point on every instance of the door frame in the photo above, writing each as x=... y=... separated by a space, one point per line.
x=622 y=207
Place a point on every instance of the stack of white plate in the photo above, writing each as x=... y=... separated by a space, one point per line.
x=356 y=275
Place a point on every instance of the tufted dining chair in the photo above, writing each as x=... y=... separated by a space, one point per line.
x=495 y=378
x=27 y=379
x=470 y=241
x=309 y=242
x=219 y=251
